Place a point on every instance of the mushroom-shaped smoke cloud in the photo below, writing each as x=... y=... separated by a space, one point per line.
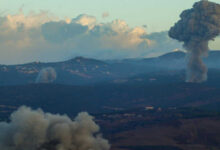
x=196 y=28
x=35 y=130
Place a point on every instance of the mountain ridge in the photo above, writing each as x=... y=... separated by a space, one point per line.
x=81 y=71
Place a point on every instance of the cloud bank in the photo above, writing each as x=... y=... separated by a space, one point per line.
x=35 y=130
x=40 y=37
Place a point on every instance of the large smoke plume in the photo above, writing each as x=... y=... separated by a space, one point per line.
x=46 y=75
x=196 y=28
x=35 y=130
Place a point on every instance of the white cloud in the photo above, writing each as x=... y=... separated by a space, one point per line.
x=62 y=31
x=40 y=37
x=32 y=20
x=85 y=20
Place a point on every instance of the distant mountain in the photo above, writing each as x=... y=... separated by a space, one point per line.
x=82 y=71
x=173 y=55
x=74 y=71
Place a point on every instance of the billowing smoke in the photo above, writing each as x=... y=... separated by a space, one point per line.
x=196 y=28
x=46 y=75
x=35 y=130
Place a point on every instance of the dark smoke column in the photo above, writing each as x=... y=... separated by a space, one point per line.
x=196 y=28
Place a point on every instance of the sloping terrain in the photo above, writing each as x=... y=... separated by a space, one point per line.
x=162 y=129
x=139 y=104
x=158 y=90
x=84 y=71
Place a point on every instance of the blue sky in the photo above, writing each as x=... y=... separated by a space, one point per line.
x=158 y=15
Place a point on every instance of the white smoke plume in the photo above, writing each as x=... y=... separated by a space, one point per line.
x=46 y=75
x=36 y=130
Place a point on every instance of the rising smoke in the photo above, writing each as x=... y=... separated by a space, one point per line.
x=46 y=75
x=196 y=28
x=35 y=130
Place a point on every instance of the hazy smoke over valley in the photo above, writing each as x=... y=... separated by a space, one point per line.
x=46 y=75
x=35 y=130
x=196 y=28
